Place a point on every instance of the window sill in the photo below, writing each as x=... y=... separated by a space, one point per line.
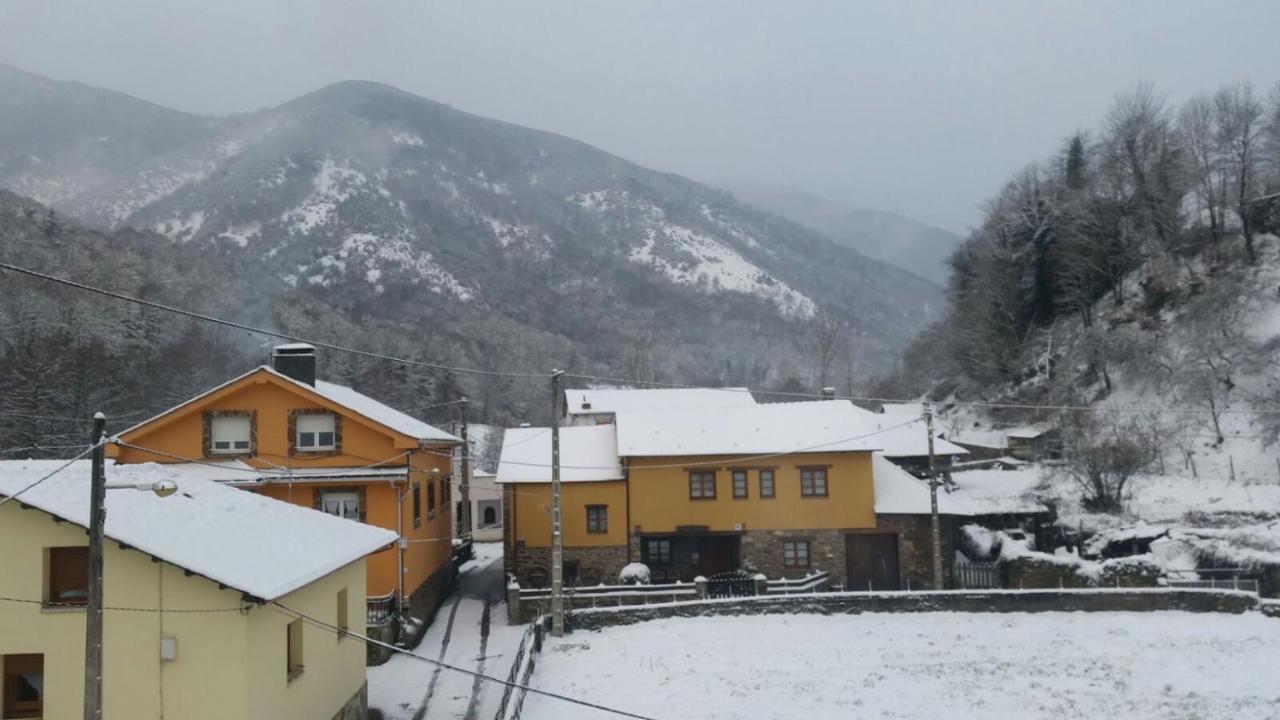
x=56 y=609
x=417 y=522
x=702 y=498
x=295 y=674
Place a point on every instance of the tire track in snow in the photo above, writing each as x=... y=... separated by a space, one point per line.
x=476 y=686
x=444 y=647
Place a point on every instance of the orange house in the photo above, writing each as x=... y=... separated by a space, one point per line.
x=281 y=432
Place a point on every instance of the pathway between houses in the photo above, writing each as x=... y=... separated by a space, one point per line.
x=469 y=631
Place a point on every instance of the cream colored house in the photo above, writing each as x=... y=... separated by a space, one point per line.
x=201 y=591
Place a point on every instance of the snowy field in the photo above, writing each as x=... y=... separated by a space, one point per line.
x=930 y=665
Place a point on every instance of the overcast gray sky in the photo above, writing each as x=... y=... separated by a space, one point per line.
x=919 y=108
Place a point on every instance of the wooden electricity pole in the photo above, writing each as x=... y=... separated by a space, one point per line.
x=557 y=540
x=464 y=488
x=93 y=616
x=933 y=503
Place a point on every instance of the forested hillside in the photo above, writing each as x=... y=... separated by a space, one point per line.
x=1137 y=265
x=477 y=242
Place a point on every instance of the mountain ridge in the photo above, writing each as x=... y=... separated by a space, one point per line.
x=381 y=202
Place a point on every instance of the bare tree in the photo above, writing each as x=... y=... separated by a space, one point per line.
x=825 y=340
x=1102 y=453
x=1138 y=144
x=1240 y=123
x=1198 y=131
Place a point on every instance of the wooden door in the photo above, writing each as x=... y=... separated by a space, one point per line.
x=871 y=561
x=717 y=554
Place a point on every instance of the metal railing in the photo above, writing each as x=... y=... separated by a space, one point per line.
x=817 y=582
x=1214 y=579
x=380 y=610
x=977 y=576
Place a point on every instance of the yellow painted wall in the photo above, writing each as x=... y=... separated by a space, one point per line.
x=660 y=500
x=532 y=503
x=181 y=434
x=223 y=668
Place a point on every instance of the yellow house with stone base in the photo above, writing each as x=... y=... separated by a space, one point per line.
x=205 y=597
x=786 y=489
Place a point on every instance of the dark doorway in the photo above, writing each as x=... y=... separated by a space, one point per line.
x=871 y=560
x=717 y=554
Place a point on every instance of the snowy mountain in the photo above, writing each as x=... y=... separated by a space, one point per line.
x=909 y=244
x=393 y=206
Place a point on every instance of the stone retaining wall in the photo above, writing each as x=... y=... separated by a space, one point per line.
x=595 y=565
x=1000 y=601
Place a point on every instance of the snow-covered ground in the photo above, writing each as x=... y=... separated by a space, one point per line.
x=994 y=666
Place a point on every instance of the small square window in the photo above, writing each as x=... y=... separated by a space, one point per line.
x=597 y=518
x=702 y=485
x=740 y=484
x=795 y=553
x=766 y=484
x=657 y=551
x=316 y=432
x=344 y=504
x=68 y=579
x=813 y=482
x=23 y=687
x=229 y=435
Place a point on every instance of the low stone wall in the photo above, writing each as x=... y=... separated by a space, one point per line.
x=357 y=708
x=997 y=601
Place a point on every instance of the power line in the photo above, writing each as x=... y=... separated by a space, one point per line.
x=261 y=331
x=122 y=609
x=604 y=378
x=258 y=471
x=41 y=447
x=60 y=468
x=473 y=673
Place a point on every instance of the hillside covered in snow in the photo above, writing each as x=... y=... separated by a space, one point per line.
x=510 y=242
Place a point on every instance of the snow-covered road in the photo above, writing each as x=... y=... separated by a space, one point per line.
x=470 y=631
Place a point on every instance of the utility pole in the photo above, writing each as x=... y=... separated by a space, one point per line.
x=93 y=616
x=557 y=540
x=933 y=503
x=464 y=489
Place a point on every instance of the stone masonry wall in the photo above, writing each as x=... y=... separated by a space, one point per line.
x=601 y=564
x=998 y=601
x=761 y=551
x=915 y=548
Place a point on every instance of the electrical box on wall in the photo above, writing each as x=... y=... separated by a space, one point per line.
x=168 y=648
x=739 y=527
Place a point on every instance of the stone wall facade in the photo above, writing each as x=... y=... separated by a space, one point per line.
x=531 y=566
x=762 y=551
x=915 y=548
x=1032 y=573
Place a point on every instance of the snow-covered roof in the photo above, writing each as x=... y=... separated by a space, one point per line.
x=1029 y=432
x=819 y=426
x=587 y=453
x=263 y=547
x=906 y=440
x=614 y=400
x=999 y=492
x=380 y=413
x=348 y=398
x=898 y=492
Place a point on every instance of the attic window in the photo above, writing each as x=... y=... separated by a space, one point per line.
x=229 y=435
x=316 y=432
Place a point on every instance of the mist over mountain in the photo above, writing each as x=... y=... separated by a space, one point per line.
x=910 y=244
x=488 y=243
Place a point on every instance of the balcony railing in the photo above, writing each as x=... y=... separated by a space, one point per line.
x=381 y=610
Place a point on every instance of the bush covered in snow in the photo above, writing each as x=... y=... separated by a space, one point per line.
x=634 y=574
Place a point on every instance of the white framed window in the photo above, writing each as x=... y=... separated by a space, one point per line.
x=316 y=432
x=343 y=504
x=229 y=435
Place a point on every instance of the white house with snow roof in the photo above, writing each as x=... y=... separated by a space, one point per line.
x=203 y=595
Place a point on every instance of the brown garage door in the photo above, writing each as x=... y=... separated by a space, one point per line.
x=871 y=560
